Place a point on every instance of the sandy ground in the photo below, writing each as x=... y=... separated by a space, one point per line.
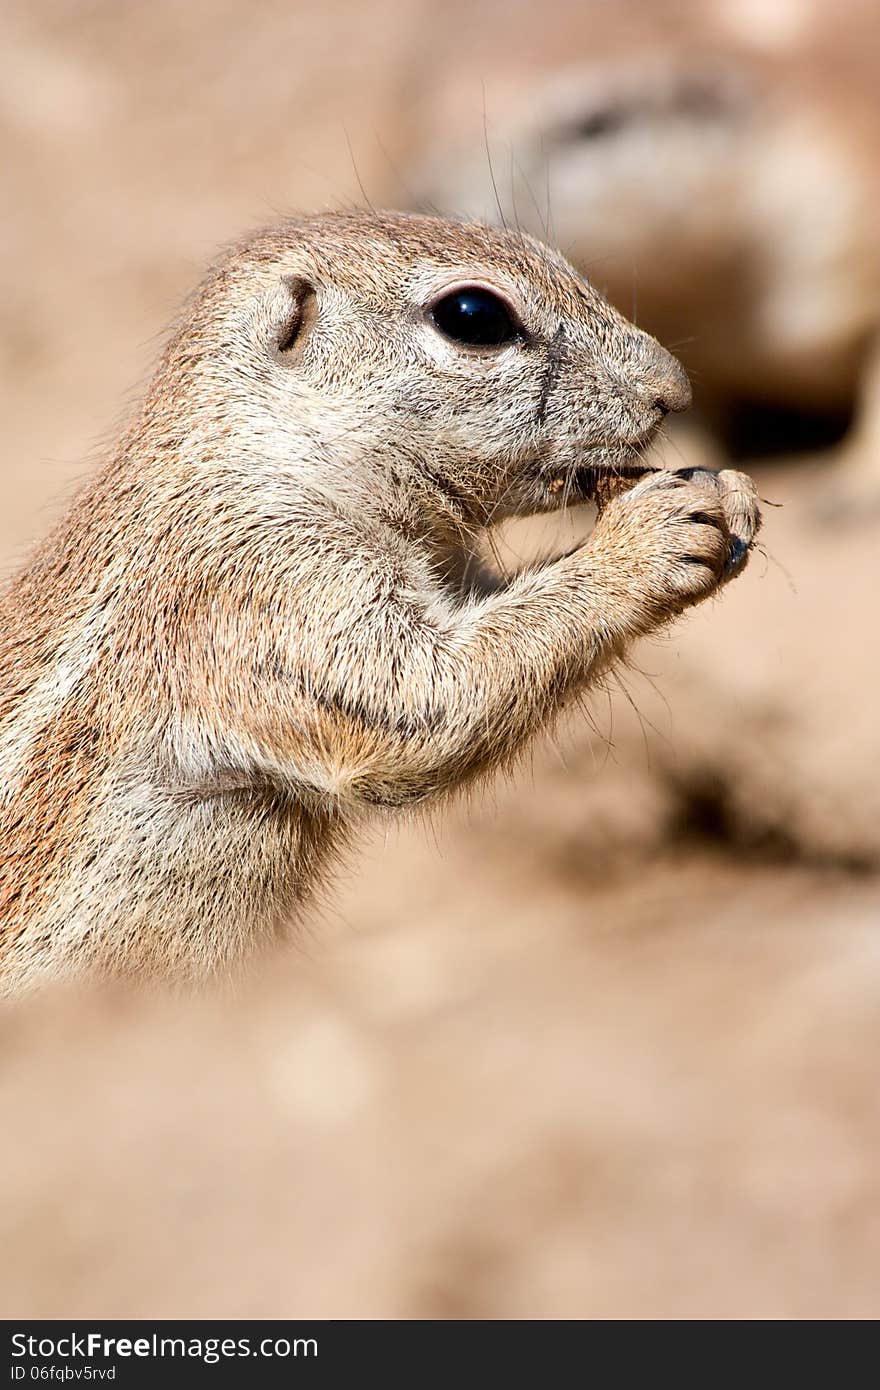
x=600 y=1042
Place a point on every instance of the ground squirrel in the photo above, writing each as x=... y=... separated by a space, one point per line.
x=263 y=617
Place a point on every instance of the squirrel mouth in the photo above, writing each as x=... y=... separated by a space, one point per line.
x=597 y=482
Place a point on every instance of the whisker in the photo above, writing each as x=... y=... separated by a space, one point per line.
x=669 y=439
x=532 y=199
x=489 y=162
x=548 y=222
x=513 y=194
x=357 y=175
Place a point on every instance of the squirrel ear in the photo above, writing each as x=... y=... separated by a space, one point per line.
x=300 y=315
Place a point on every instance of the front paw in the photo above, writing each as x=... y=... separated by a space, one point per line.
x=680 y=536
x=742 y=514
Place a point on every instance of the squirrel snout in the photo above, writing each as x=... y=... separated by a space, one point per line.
x=661 y=382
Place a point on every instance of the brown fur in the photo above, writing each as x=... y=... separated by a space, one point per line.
x=262 y=617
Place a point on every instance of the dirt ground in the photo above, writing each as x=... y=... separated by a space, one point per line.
x=598 y=1043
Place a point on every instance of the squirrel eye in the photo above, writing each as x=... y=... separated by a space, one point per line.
x=476 y=317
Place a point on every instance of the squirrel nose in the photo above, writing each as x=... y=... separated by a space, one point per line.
x=663 y=382
x=673 y=390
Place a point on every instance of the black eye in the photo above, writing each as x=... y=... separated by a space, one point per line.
x=476 y=317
